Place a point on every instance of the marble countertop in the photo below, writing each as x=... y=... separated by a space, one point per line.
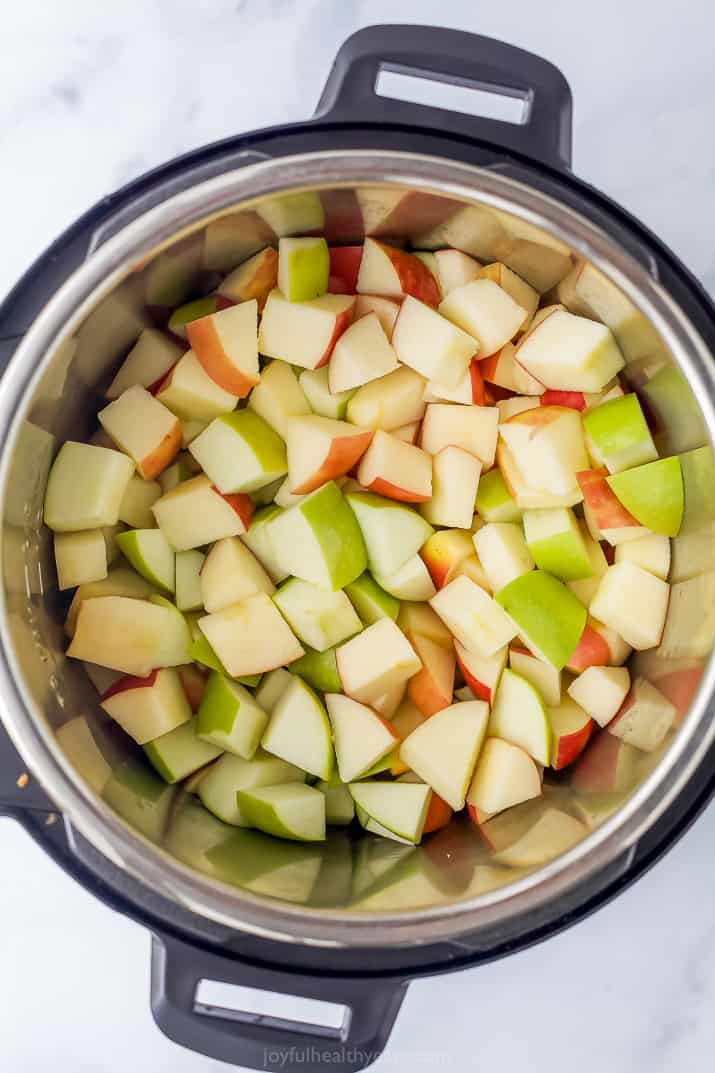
x=94 y=93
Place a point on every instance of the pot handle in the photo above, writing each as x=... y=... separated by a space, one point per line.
x=258 y=1040
x=440 y=55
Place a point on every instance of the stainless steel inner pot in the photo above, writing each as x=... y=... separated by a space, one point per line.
x=52 y=391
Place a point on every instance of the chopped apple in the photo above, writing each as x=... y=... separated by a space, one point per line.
x=503 y=553
x=390 y=402
x=407 y=718
x=147 y=707
x=398 y=807
x=147 y=363
x=231 y=573
x=195 y=513
x=118 y=582
x=273 y=686
x=299 y=731
x=319 y=539
x=645 y=717
x=527 y=497
x=180 y=470
x=80 y=558
x=556 y=543
x=371 y=663
x=371 y=601
x=431 y=689
x=317 y=616
x=250 y=637
x=476 y=621
x=257 y=539
x=226 y=345
x=444 y=552
x=606 y=766
x=653 y=494
x=481 y=673
x=570 y=353
x=396 y=470
x=324 y=402
x=180 y=752
x=339 y=804
x=505 y=775
x=454 y=269
x=473 y=428
x=411 y=582
x=585 y=588
x=144 y=429
x=387 y=704
x=320 y=450
x=486 y=311
x=505 y=371
x=607 y=518
x=598 y=646
x=134 y=636
x=522 y=293
x=455 y=480
x=634 y=603
x=571 y=728
x=431 y=345
x=183 y=315
x=548 y=448
x=387 y=271
x=519 y=716
x=303 y=268
x=516 y=404
x=230 y=718
x=362 y=354
x=392 y=532
x=278 y=396
x=189 y=392
x=617 y=435
x=240 y=452
x=304 y=333
x=291 y=810
x=386 y=310
x=151 y=555
x=255 y=278
x=601 y=691
x=420 y=620
x=650 y=552
x=469 y=391
x=137 y=501
x=494 y=500
x=85 y=487
x=444 y=749
x=361 y=736
x=543 y=676
x=319 y=670
x=549 y=618
x=219 y=786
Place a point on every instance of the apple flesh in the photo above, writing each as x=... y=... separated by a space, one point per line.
x=486 y=311
x=548 y=617
x=473 y=428
x=218 y=787
x=653 y=494
x=250 y=637
x=371 y=601
x=470 y=389
x=395 y=469
x=151 y=555
x=85 y=487
x=362 y=353
x=431 y=345
x=522 y=293
x=180 y=752
x=504 y=370
x=645 y=717
x=322 y=400
x=230 y=573
x=454 y=269
x=393 y=273
x=548 y=447
x=420 y=620
x=320 y=450
x=651 y=553
x=443 y=750
x=571 y=728
x=392 y=532
x=195 y=513
x=386 y=310
x=303 y=268
x=398 y=807
x=304 y=333
x=361 y=736
x=147 y=363
x=411 y=582
x=230 y=718
x=137 y=501
x=133 y=636
x=278 y=396
x=617 y=435
x=299 y=731
x=120 y=581
x=240 y=452
x=318 y=617
x=190 y=393
x=444 y=552
x=80 y=558
x=147 y=707
x=556 y=543
x=473 y=617
x=503 y=553
x=634 y=603
x=519 y=716
x=606 y=516
x=505 y=775
x=372 y=662
x=455 y=480
x=543 y=676
x=226 y=346
x=600 y=691
x=570 y=353
x=482 y=674
x=598 y=646
x=432 y=688
x=339 y=804
x=255 y=278
x=390 y=402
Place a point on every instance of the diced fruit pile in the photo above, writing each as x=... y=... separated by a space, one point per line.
x=368 y=535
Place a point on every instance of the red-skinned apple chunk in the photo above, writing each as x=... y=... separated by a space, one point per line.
x=395 y=469
x=304 y=333
x=144 y=429
x=393 y=273
x=226 y=344
x=321 y=449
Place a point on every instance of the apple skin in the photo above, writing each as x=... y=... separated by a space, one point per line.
x=574 y=400
x=371 y=601
x=240 y=502
x=443 y=553
x=343 y=453
x=539 y=602
x=591 y=651
x=568 y=744
x=473 y=670
x=608 y=511
x=344 y=268
x=653 y=494
x=255 y=278
x=206 y=344
x=303 y=268
x=413 y=275
x=439 y=813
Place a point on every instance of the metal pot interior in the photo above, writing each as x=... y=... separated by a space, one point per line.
x=87 y=333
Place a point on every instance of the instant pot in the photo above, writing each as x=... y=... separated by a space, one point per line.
x=350 y=921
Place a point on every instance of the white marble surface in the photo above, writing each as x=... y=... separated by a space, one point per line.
x=92 y=93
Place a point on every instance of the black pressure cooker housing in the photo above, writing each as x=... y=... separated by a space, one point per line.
x=187 y=947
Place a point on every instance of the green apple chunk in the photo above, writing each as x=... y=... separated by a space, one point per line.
x=299 y=731
x=272 y=688
x=319 y=540
x=250 y=637
x=547 y=615
x=318 y=617
x=617 y=435
x=371 y=601
x=180 y=752
x=653 y=494
x=400 y=807
x=319 y=670
x=392 y=532
x=202 y=652
x=303 y=268
x=230 y=717
x=133 y=636
x=257 y=538
x=85 y=487
x=200 y=307
x=219 y=786
x=140 y=798
x=322 y=400
x=519 y=716
x=556 y=543
x=291 y=810
x=240 y=452
x=494 y=501
x=188 y=580
x=339 y=804
x=151 y=555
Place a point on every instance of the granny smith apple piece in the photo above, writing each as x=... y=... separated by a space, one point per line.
x=299 y=731
x=272 y=688
x=399 y=807
x=188 y=580
x=494 y=500
x=361 y=736
x=519 y=715
x=231 y=573
x=230 y=773
x=320 y=618
x=85 y=487
x=180 y=752
x=142 y=799
x=546 y=614
x=411 y=582
x=303 y=268
x=257 y=538
x=151 y=555
x=617 y=434
x=251 y=636
x=80 y=558
x=323 y=401
x=240 y=452
x=230 y=717
x=291 y=810
x=180 y=470
x=319 y=670
x=556 y=543
x=339 y=804
x=653 y=494
x=505 y=776
x=176 y=640
x=444 y=749
x=320 y=540
x=502 y=552
x=200 y=307
x=202 y=652
x=392 y=532
x=371 y=601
